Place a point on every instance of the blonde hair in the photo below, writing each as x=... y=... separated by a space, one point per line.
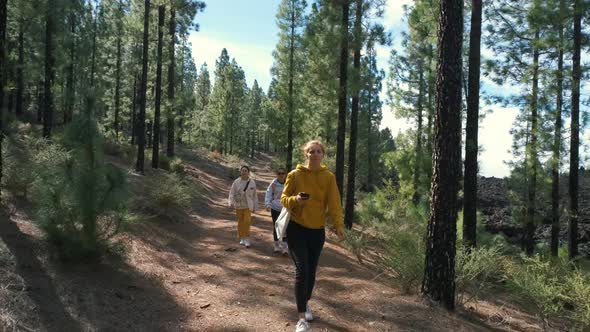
x=309 y=144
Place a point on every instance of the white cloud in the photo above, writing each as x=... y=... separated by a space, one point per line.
x=394 y=12
x=495 y=140
x=255 y=59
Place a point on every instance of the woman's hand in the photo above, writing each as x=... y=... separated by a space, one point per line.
x=301 y=200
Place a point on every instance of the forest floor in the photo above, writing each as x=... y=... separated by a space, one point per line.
x=187 y=272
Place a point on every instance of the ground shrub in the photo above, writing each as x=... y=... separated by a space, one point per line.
x=177 y=167
x=164 y=162
x=172 y=192
x=477 y=270
x=80 y=199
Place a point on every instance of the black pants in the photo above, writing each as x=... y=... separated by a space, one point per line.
x=305 y=247
x=275 y=215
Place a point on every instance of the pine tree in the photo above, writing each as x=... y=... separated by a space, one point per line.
x=3 y=18
x=171 y=113
x=557 y=136
x=579 y=10
x=156 y=130
x=439 y=275
x=342 y=96
x=200 y=121
x=49 y=69
x=515 y=36
x=287 y=66
x=472 y=126
x=142 y=92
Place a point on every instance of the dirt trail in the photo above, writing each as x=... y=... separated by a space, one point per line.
x=188 y=273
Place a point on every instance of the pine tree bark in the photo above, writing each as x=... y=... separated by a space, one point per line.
x=20 y=82
x=156 y=130
x=70 y=89
x=40 y=101
x=3 y=14
x=439 y=275
x=49 y=71
x=171 y=85
x=529 y=242
x=118 y=73
x=90 y=96
x=133 y=110
x=370 y=179
x=471 y=128
x=142 y=92
x=557 y=139
x=342 y=97
x=289 y=164
x=575 y=132
x=418 y=148
x=351 y=186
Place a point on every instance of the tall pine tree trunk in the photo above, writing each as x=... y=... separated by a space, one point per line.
x=90 y=95
x=156 y=145
x=351 y=186
x=439 y=274
x=370 y=123
x=557 y=139
x=40 y=101
x=143 y=91
x=575 y=132
x=3 y=13
x=418 y=148
x=171 y=85
x=118 y=73
x=49 y=71
x=20 y=82
x=134 y=110
x=70 y=89
x=529 y=242
x=181 y=110
x=342 y=97
x=431 y=88
x=471 y=128
x=291 y=110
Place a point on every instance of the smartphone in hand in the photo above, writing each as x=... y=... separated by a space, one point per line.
x=304 y=195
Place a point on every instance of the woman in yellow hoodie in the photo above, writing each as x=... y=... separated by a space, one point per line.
x=309 y=191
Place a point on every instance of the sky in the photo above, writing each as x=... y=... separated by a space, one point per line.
x=247 y=29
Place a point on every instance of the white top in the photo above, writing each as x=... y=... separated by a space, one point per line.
x=241 y=197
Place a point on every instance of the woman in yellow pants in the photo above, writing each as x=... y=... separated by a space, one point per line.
x=243 y=197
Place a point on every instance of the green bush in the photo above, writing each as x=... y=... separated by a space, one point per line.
x=404 y=255
x=171 y=193
x=81 y=201
x=476 y=272
x=18 y=171
x=539 y=282
x=577 y=288
x=401 y=226
x=119 y=149
x=164 y=162
x=356 y=241
x=177 y=167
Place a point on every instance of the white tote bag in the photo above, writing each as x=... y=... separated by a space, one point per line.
x=282 y=223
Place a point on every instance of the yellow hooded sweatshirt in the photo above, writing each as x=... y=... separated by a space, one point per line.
x=323 y=193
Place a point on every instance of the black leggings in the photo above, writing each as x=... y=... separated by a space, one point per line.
x=275 y=215
x=305 y=247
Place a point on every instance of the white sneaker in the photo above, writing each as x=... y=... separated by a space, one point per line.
x=276 y=247
x=285 y=248
x=247 y=242
x=308 y=314
x=241 y=242
x=302 y=326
